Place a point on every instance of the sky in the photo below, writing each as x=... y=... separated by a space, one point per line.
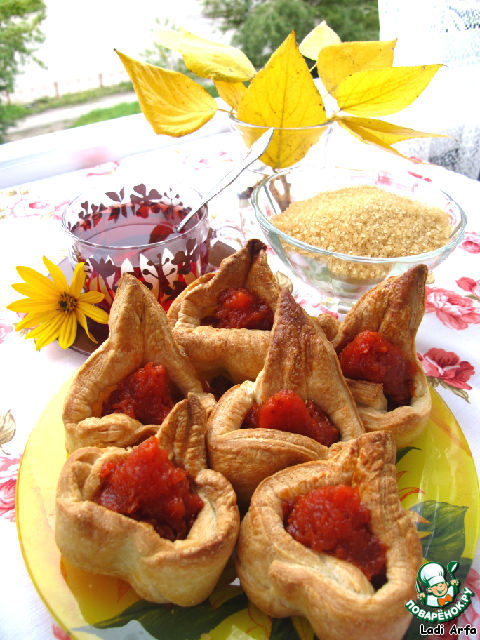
x=80 y=38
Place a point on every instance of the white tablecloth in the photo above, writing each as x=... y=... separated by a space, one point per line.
x=448 y=340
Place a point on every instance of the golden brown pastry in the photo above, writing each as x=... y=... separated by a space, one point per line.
x=97 y=539
x=283 y=577
x=138 y=334
x=237 y=353
x=394 y=309
x=299 y=359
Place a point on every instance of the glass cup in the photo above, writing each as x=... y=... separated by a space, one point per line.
x=289 y=145
x=131 y=230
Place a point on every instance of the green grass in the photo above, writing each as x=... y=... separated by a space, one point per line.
x=80 y=97
x=13 y=112
x=109 y=113
x=119 y=110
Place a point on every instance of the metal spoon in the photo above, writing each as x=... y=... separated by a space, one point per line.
x=255 y=151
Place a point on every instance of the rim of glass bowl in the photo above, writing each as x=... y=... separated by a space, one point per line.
x=265 y=126
x=203 y=216
x=454 y=240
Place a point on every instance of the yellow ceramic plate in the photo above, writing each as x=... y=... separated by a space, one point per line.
x=436 y=479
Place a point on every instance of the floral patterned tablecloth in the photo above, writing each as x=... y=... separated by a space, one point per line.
x=448 y=340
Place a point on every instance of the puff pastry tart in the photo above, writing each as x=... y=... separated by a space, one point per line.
x=223 y=320
x=154 y=516
x=350 y=503
x=376 y=347
x=298 y=405
x=140 y=357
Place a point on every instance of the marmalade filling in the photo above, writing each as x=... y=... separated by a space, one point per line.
x=147 y=487
x=144 y=395
x=286 y=411
x=370 y=357
x=334 y=520
x=240 y=309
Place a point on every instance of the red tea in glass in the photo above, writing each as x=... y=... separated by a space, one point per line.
x=133 y=230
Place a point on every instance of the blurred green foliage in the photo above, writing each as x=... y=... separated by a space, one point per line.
x=19 y=35
x=259 y=26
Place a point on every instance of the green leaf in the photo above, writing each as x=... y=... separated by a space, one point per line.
x=445 y=527
x=458 y=392
x=403 y=452
x=168 y=622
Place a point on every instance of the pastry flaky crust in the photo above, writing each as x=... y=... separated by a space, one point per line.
x=138 y=333
x=394 y=308
x=96 y=539
x=284 y=578
x=238 y=353
x=300 y=359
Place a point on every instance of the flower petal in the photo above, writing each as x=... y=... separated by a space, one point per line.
x=83 y=322
x=34 y=319
x=34 y=292
x=47 y=332
x=91 y=296
x=26 y=304
x=99 y=315
x=68 y=331
x=78 y=280
x=57 y=274
x=37 y=280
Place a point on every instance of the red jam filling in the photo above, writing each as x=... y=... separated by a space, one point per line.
x=145 y=395
x=286 y=411
x=147 y=487
x=333 y=520
x=370 y=357
x=240 y=309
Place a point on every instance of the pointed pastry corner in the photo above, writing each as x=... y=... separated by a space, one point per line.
x=138 y=334
x=105 y=536
x=393 y=309
x=301 y=377
x=183 y=434
x=226 y=345
x=284 y=576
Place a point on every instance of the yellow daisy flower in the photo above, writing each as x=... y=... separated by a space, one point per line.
x=53 y=307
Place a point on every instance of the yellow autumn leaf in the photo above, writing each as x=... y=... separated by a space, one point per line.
x=172 y=102
x=380 y=132
x=321 y=36
x=378 y=92
x=283 y=94
x=231 y=92
x=206 y=58
x=336 y=62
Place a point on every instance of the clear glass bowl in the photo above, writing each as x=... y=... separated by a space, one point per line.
x=340 y=277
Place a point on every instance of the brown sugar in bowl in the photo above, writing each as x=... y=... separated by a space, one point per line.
x=345 y=230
